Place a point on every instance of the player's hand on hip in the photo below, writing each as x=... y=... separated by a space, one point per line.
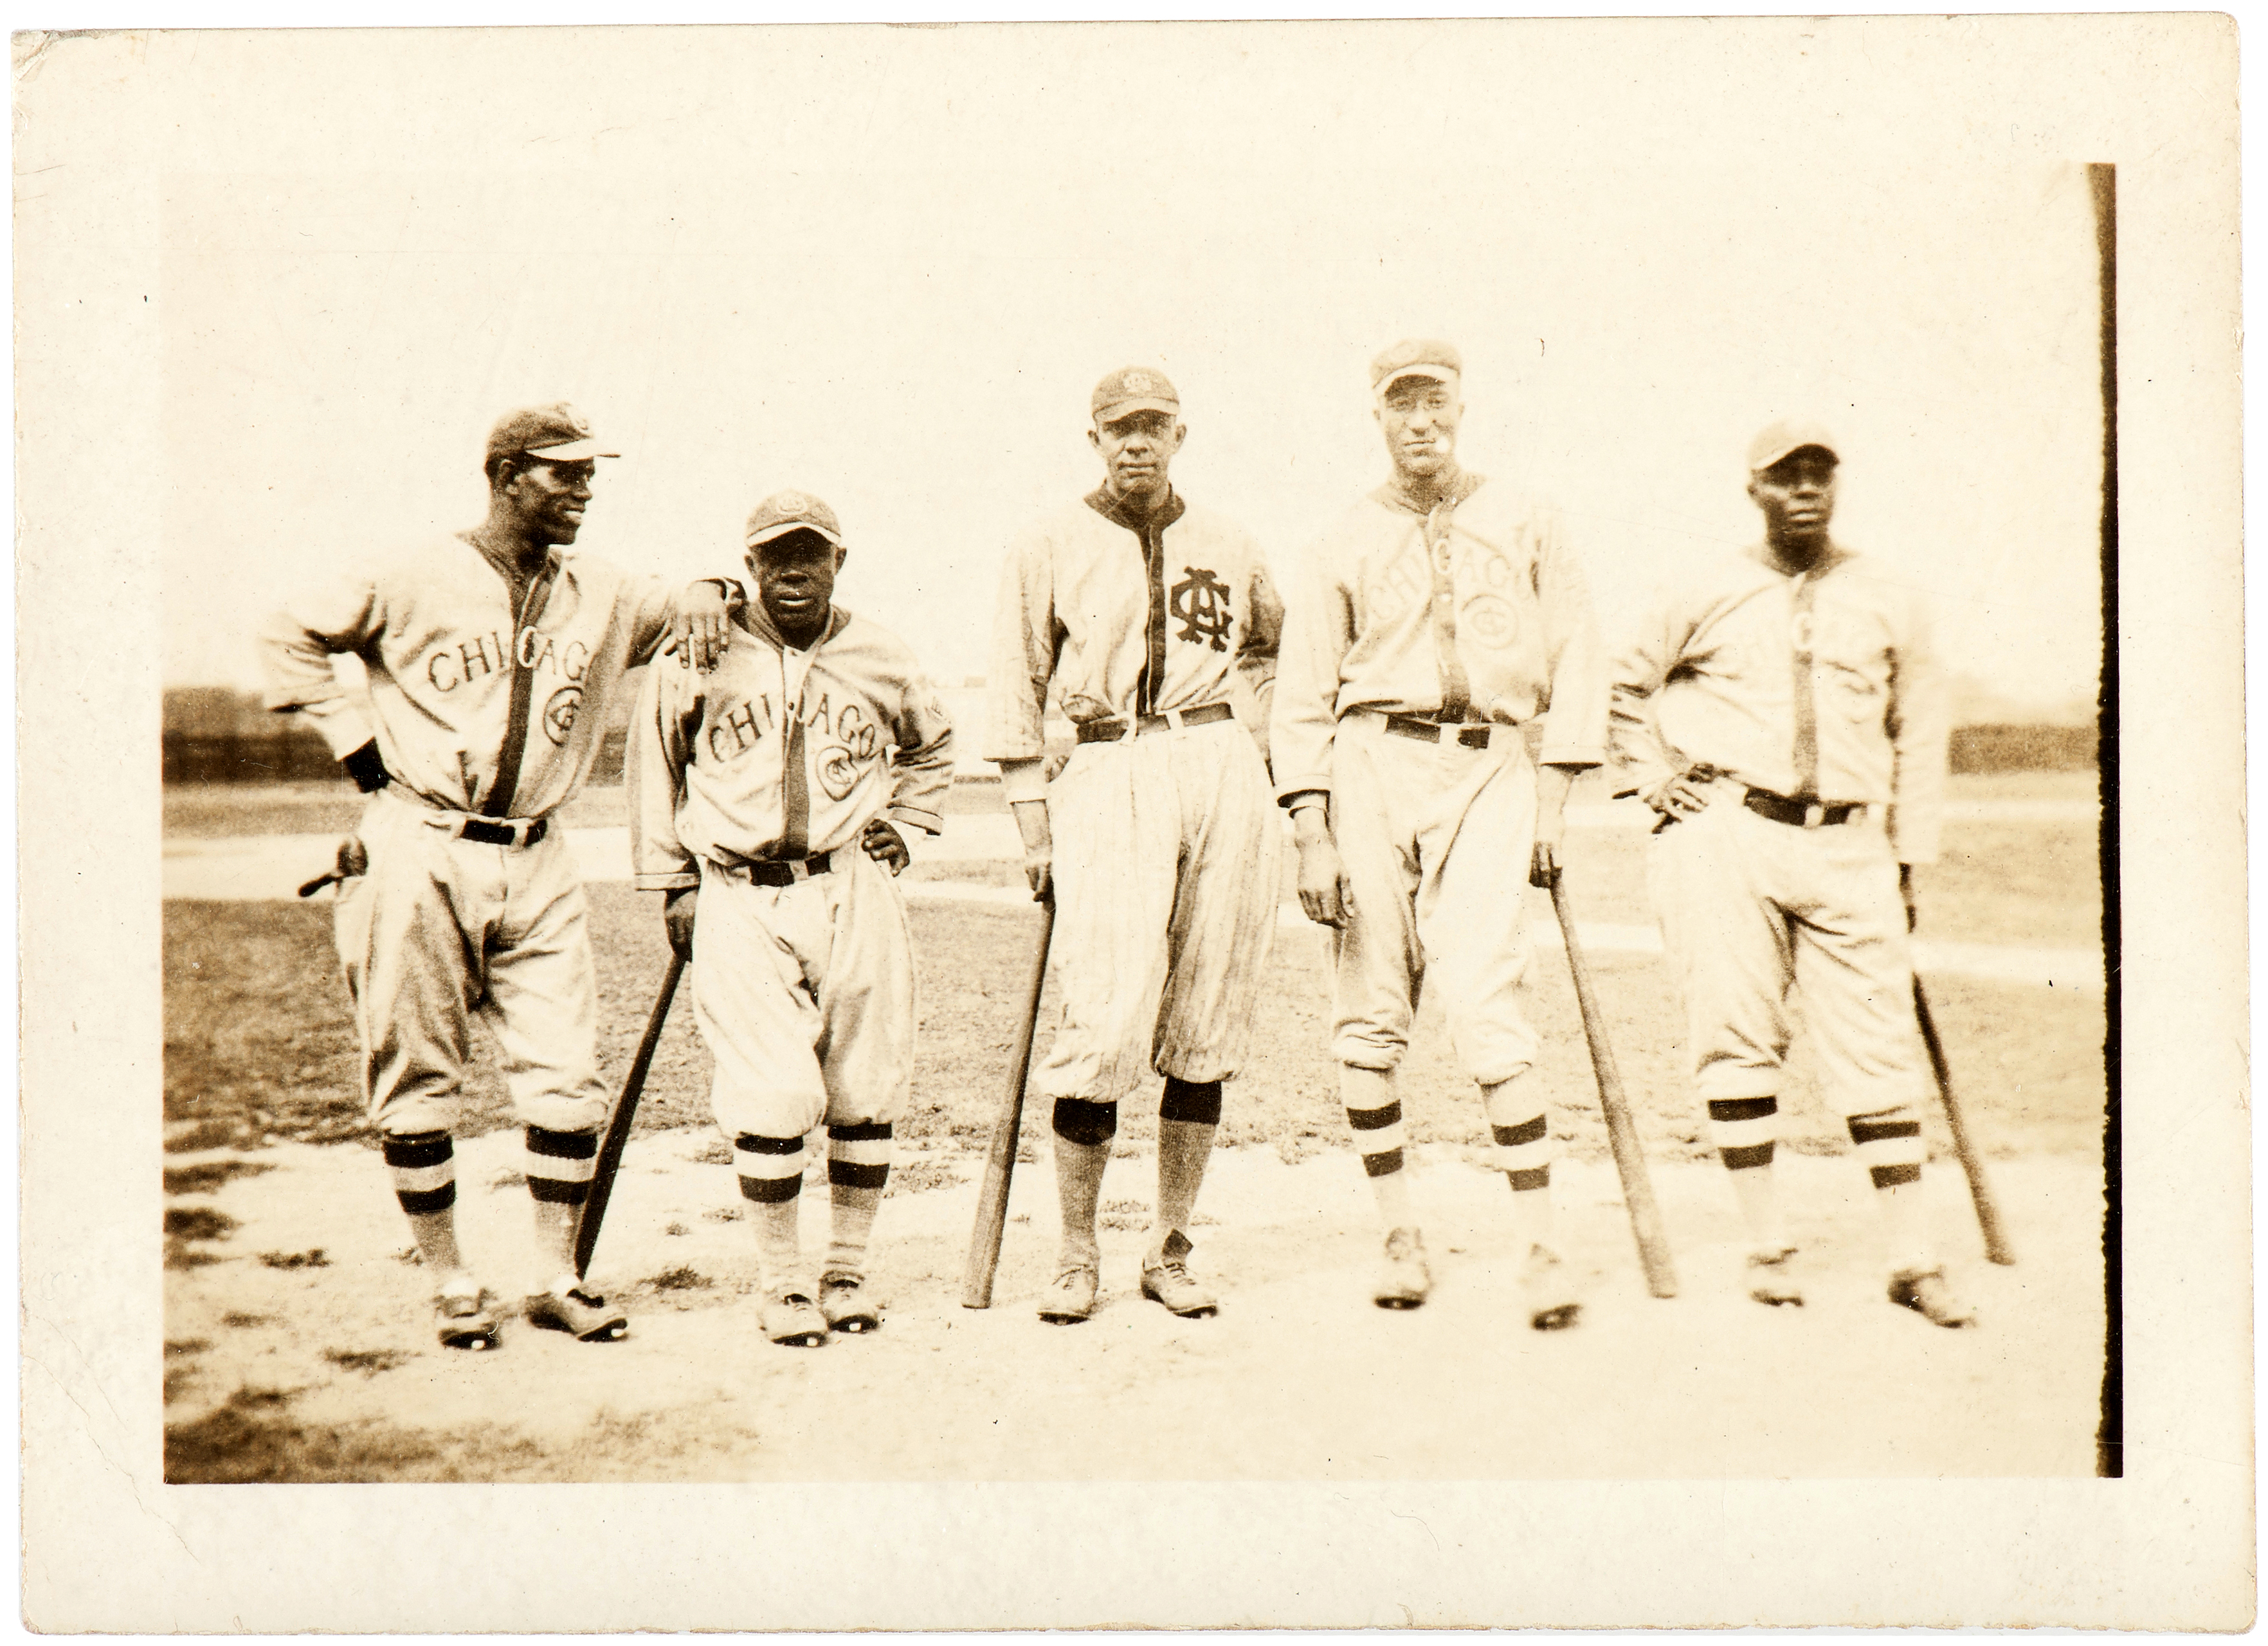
x=678 y=911
x=1039 y=847
x=885 y=845
x=1681 y=796
x=702 y=628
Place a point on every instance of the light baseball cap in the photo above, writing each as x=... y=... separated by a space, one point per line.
x=787 y=511
x=557 y=433
x=1777 y=440
x=1134 y=389
x=1417 y=357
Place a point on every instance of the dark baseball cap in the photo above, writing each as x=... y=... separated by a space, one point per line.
x=1134 y=389
x=1786 y=437
x=557 y=433
x=787 y=511
x=1416 y=357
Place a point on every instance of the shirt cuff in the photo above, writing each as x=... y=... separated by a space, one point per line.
x=679 y=880
x=928 y=822
x=1024 y=779
x=1572 y=754
x=345 y=729
x=1314 y=782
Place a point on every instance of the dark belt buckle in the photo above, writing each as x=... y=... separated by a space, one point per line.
x=1101 y=730
x=1411 y=726
x=1473 y=737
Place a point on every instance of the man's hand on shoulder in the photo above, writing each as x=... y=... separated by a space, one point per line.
x=702 y=627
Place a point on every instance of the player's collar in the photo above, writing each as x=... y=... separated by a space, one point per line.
x=1834 y=555
x=1392 y=494
x=1113 y=509
x=758 y=622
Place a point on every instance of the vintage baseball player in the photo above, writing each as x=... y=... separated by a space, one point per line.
x=760 y=792
x=1153 y=622
x=1784 y=709
x=1428 y=629
x=491 y=656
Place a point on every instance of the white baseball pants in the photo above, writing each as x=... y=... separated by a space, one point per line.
x=804 y=995
x=1750 y=908
x=1168 y=852
x=440 y=929
x=1436 y=841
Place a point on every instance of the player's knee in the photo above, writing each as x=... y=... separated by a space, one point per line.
x=1079 y=1121
x=1195 y=1101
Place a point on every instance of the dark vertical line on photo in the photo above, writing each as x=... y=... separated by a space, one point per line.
x=2110 y=1431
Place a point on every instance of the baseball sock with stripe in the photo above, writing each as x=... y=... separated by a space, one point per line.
x=1373 y=1111
x=1189 y=1117
x=858 y=1172
x=1746 y=1131
x=1083 y=1130
x=771 y=1181
x=1889 y=1145
x=559 y=1167
x=1522 y=1134
x=424 y=1168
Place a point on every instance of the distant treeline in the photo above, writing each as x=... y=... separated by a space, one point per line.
x=216 y=735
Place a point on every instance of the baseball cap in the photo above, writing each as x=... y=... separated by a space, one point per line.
x=1133 y=389
x=787 y=511
x=557 y=433
x=1416 y=357
x=1776 y=440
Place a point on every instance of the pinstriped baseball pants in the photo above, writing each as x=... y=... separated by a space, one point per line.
x=1168 y=855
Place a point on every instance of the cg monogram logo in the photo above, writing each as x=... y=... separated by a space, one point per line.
x=838 y=771
x=1491 y=619
x=1201 y=600
x=559 y=713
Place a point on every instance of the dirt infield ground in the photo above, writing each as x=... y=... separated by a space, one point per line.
x=298 y=1344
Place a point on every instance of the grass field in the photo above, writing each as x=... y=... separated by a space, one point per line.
x=259 y=1061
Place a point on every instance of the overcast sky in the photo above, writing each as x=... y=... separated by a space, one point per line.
x=886 y=267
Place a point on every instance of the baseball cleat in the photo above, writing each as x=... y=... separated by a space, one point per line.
x=1772 y=1277
x=582 y=1314
x=1924 y=1291
x=1164 y=1279
x=1403 y=1280
x=793 y=1321
x=1550 y=1286
x=467 y=1320
x=1071 y=1299
x=849 y=1308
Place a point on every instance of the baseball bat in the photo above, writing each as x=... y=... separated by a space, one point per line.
x=618 y=1124
x=1622 y=1131
x=1996 y=1248
x=1007 y=1128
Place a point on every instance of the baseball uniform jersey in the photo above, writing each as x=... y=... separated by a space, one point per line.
x=1418 y=643
x=1163 y=631
x=484 y=706
x=1822 y=689
x=804 y=992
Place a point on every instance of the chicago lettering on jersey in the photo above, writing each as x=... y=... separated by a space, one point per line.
x=455 y=662
x=734 y=729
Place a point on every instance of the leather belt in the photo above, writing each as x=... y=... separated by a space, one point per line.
x=1798 y=813
x=503 y=831
x=1472 y=737
x=1149 y=725
x=775 y=872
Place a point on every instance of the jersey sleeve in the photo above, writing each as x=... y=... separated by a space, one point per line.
x=1920 y=726
x=1575 y=722
x=1640 y=671
x=922 y=767
x=1318 y=629
x=1264 y=642
x=297 y=644
x=1025 y=636
x=668 y=714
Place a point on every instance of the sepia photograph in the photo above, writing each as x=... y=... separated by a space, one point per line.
x=1130 y=763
